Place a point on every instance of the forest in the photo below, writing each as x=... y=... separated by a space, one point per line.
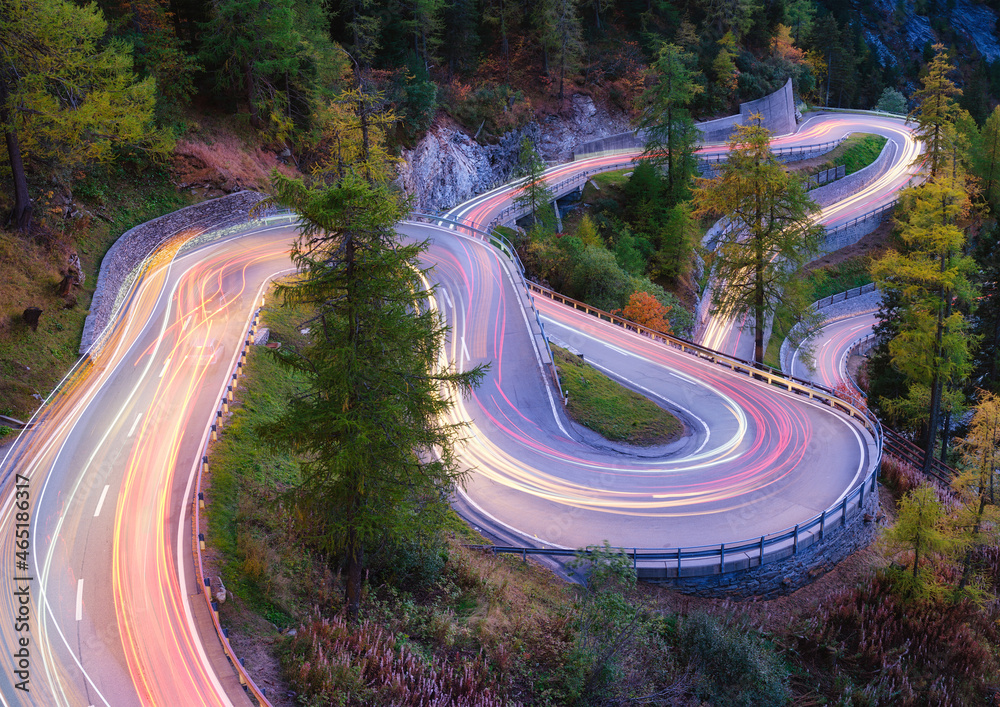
x=110 y=107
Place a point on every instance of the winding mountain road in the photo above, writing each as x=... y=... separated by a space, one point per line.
x=106 y=472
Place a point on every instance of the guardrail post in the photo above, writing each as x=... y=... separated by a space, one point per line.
x=204 y=465
x=795 y=541
x=215 y=433
x=822 y=526
x=201 y=500
x=633 y=560
x=843 y=512
x=201 y=540
x=722 y=558
x=761 y=551
x=225 y=405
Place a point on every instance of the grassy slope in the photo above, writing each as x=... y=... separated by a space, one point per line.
x=610 y=409
x=31 y=363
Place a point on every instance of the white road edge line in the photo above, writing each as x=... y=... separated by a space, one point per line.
x=79 y=597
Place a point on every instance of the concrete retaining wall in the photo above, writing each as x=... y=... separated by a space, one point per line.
x=844 y=237
x=777 y=109
x=785 y=574
x=125 y=259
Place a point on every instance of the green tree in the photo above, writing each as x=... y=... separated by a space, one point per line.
x=768 y=233
x=67 y=96
x=559 y=34
x=254 y=45
x=724 y=68
x=921 y=527
x=671 y=136
x=935 y=115
x=534 y=194
x=799 y=16
x=379 y=461
x=891 y=101
x=932 y=345
x=987 y=160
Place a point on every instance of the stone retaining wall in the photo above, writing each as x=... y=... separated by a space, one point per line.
x=853 y=183
x=785 y=575
x=124 y=260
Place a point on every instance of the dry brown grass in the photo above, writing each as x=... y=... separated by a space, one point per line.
x=32 y=361
x=224 y=161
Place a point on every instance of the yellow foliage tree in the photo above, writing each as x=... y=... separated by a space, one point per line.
x=67 y=97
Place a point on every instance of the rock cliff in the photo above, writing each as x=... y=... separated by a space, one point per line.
x=448 y=166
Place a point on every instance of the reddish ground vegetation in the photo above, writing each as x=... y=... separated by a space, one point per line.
x=907 y=652
x=224 y=164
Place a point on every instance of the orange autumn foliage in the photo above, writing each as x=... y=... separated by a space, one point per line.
x=645 y=310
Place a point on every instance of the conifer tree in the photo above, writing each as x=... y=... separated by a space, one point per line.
x=932 y=345
x=379 y=462
x=987 y=160
x=67 y=97
x=534 y=194
x=978 y=486
x=671 y=135
x=935 y=114
x=768 y=234
x=921 y=527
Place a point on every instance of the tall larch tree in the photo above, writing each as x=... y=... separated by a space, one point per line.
x=67 y=96
x=932 y=347
x=936 y=113
x=768 y=233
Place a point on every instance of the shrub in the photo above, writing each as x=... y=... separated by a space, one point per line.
x=736 y=665
x=928 y=651
x=331 y=662
x=899 y=476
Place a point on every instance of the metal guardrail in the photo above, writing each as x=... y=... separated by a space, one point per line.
x=827 y=176
x=728 y=557
x=780 y=151
x=514 y=211
x=898 y=446
x=215 y=428
x=846 y=295
x=876 y=212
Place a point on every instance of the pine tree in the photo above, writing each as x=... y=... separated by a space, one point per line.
x=768 y=236
x=671 y=136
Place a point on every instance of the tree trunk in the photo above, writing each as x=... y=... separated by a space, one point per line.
x=945 y=432
x=251 y=86
x=20 y=217
x=355 y=575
